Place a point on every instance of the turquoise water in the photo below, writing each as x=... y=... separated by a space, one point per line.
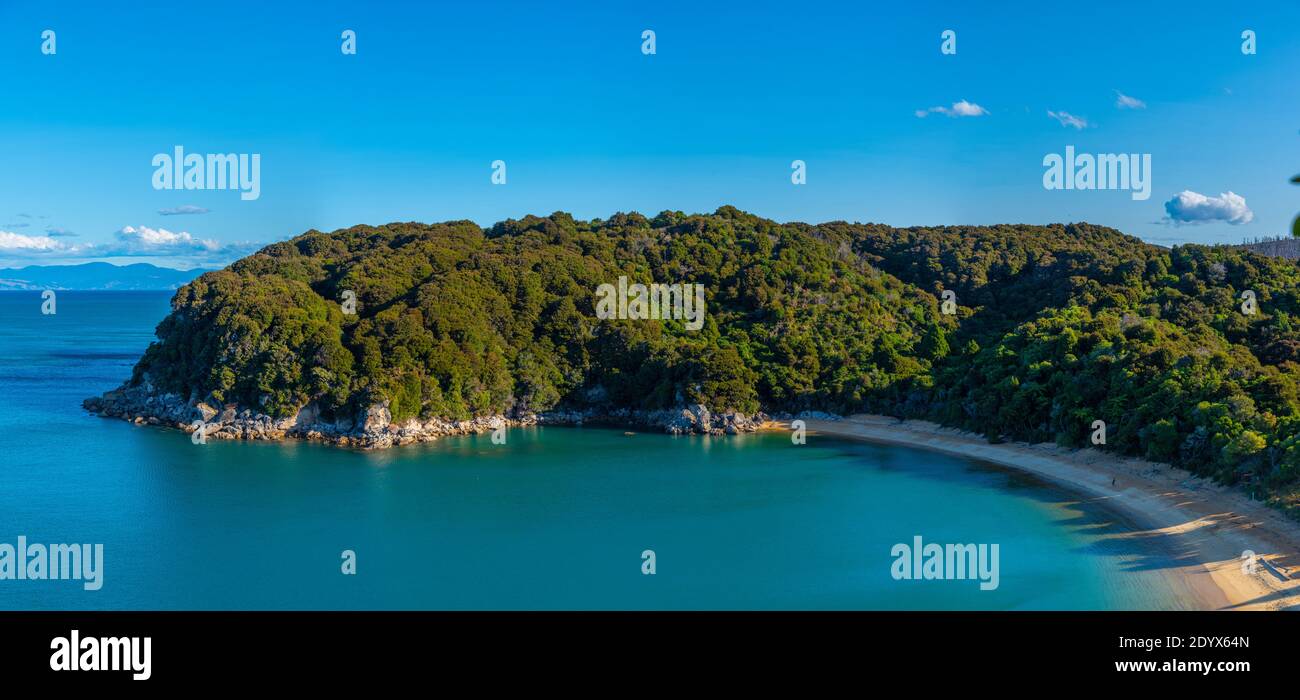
x=555 y=518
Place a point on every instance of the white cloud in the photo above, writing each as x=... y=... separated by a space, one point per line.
x=129 y=241
x=961 y=108
x=1125 y=102
x=1068 y=119
x=18 y=243
x=151 y=241
x=1188 y=207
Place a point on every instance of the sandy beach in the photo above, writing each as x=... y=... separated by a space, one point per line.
x=1208 y=526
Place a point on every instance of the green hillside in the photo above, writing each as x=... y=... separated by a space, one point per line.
x=1055 y=327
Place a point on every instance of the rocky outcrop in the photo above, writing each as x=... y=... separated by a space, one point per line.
x=374 y=427
x=696 y=419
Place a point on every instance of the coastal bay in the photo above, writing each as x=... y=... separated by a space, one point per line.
x=554 y=518
x=1217 y=531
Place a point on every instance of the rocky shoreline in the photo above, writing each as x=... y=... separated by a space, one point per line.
x=374 y=427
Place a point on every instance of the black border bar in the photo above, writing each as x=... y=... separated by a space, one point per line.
x=241 y=648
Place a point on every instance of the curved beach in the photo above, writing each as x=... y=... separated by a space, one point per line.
x=1211 y=525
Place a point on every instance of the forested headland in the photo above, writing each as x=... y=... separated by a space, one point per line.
x=1053 y=328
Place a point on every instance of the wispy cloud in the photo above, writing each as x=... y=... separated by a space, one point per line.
x=1068 y=119
x=961 y=108
x=183 y=210
x=1188 y=207
x=1125 y=102
x=56 y=232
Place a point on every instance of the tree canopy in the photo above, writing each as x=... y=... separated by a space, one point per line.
x=1055 y=327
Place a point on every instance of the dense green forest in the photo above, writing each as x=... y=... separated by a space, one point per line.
x=1055 y=327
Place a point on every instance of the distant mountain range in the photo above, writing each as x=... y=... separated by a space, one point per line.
x=95 y=276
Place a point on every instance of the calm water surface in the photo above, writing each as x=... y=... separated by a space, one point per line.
x=555 y=518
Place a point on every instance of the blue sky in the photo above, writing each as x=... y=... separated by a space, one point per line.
x=406 y=129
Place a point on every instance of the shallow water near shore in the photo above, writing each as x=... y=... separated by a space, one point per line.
x=556 y=518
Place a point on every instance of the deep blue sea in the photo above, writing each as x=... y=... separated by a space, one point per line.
x=556 y=518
